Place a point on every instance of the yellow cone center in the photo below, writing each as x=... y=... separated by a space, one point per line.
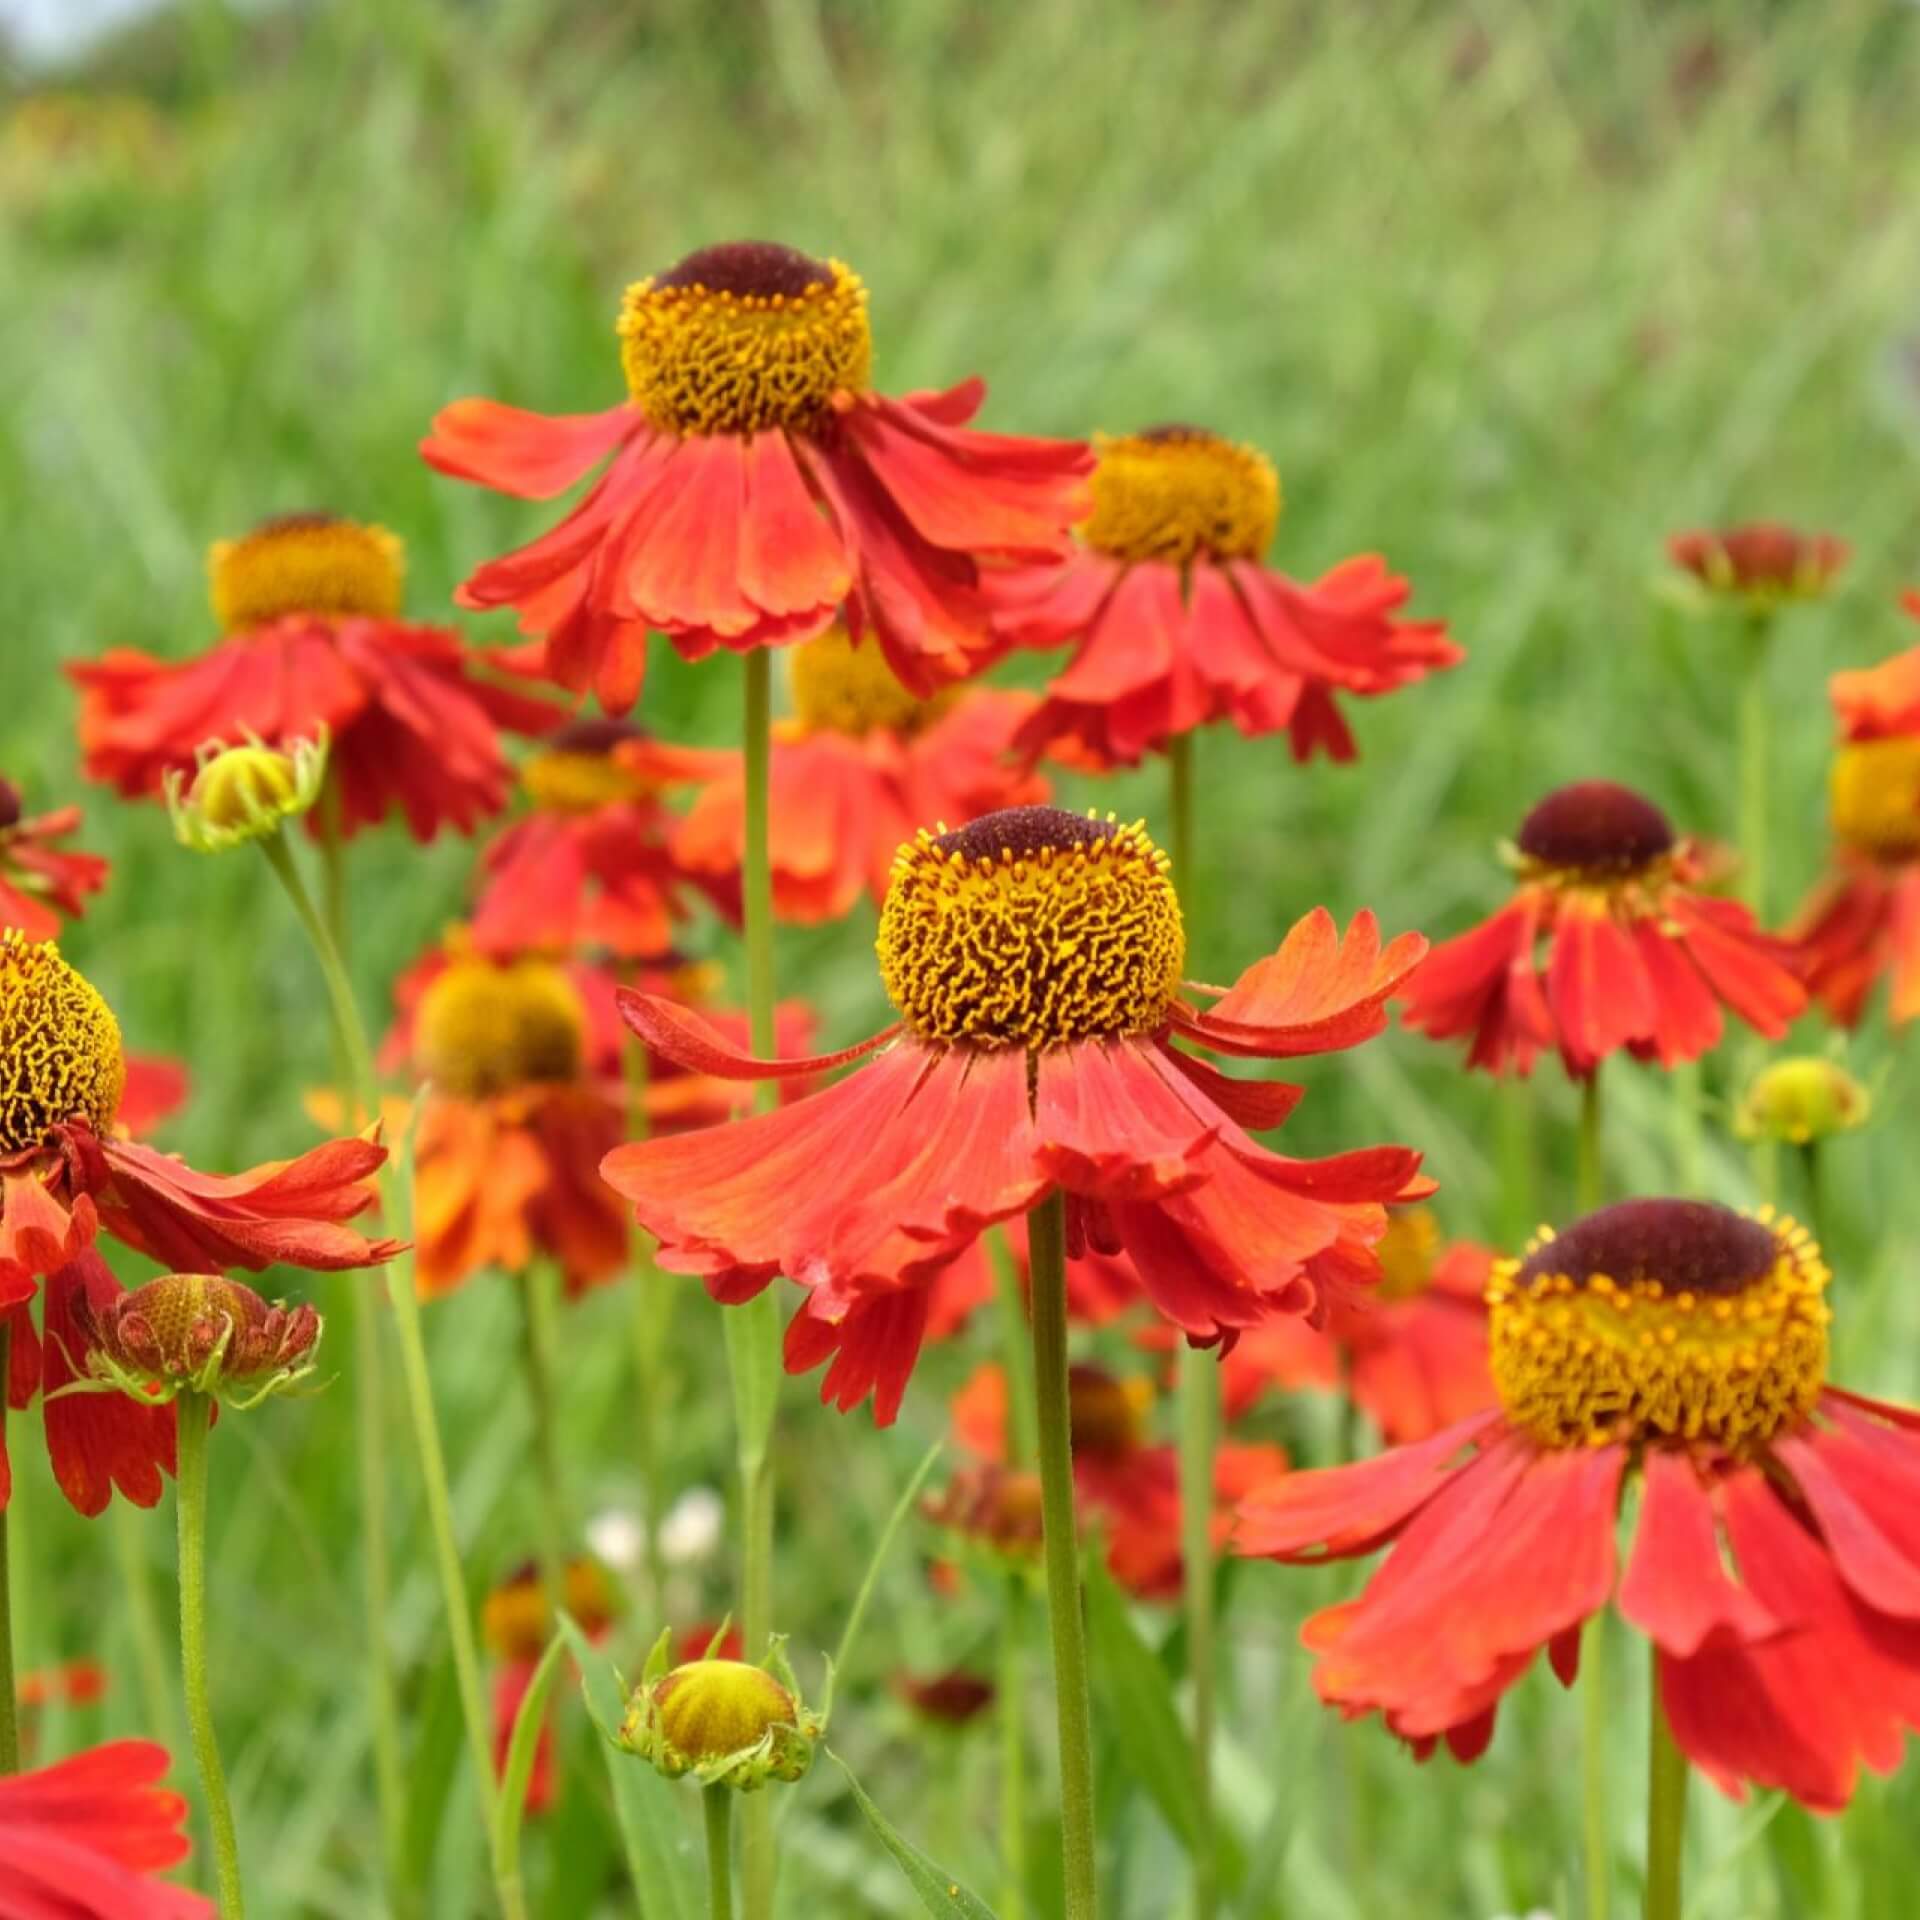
x=1408 y=1251
x=709 y=1709
x=1108 y=1415
x=842 y=688
x=305 y=563
x=1179 y=494
x=60 y=1053
x=483 y=1028
x=740 y=338
x=1032 y=927
x=1875 y=790
x=1665 y=1320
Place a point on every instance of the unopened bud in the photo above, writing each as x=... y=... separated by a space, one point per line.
x=203 y=1333
x=1800 y=1101
x=244 y=793
x=723 y=1721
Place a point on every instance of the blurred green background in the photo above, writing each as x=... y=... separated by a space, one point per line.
x=1508 y=290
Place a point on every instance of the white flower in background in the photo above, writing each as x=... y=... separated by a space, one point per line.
x=618 y=1539
x=693 y=1527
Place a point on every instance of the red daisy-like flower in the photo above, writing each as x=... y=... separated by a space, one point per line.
x=858 y=767
x=66 y=1171
x=1128 y=1485
x=40 y=886
x=313 y=639
x=1863 y=920
x=1035 y=959
x=1776 y=1562
x=758 y=486
x=1413 y=1354
x=591 y=866
x=1176 y=624
x=1637 y=955
x=1762 y=562
x=81 y=1840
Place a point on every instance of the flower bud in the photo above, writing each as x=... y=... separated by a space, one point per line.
x=723 y=1721
x=203 y=1333
x=1800 y=1101
x=993 y=1507
x=243 y=793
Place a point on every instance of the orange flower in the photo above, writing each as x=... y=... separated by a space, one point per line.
x=1126 y=1485
x=590 y=866
x=523 y=1060
x=1637 y=955
x=1035 y=958
x=309 y=611
x=1176 y=624
x=1761 y=563
x=1413 y=1354
x=758 y=484
x=66 y=1171
x=860 y=764
x=1863 y=920
x=38 y=883
x=1776 y=1566
x=82 y=1839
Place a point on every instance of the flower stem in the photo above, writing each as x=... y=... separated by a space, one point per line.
x=1816 y=1191
x=1046 y=1231
x=1666 y=1811
x=717 y=1804
x=536 y=1352
x=192 y=1412
x=763 y=1330
x=9 y=1713
x=1013 y=1748
x=1594 y=1708
x=1198 y=1390
x=352 y=1036
x=1016 y=1337
x=1589 y=1179
x=1755 y=729
x=652 y=1320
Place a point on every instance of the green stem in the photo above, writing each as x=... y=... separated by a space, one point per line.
x=1013 y=1748
x=192 y=1413
x=536 y=1352
x=1666 y=1812
x=756 y=1473
x=1046 y=1230
x=1016 y=1342
x=1816 y=1192
x=1689 y=1150
x=1594 y=1708
x=1516 y=1107
x=653 y=1302
x=1199 y=1396
x=1589 y=1179
x=9 y=1706
x=717 y=1805
x=413 y=1355
x=1756 y=774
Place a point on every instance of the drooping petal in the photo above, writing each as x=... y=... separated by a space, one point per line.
x=532 y=456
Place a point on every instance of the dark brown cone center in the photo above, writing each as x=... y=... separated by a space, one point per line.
x=10 y=805
x=305 y=521
x=748 y=267
x=1597 y=826
x=1024 y=831
x=595 y=734
x=1688 y=1246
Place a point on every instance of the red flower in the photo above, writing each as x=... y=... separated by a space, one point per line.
x=1776 y=1566
x=1761 y=563
x=852 y=774
x=952 y=1698
x=1035 y=957
x=1864 y=919
x=1413 y=1355
x=38 y=883
x=79 y=1840
x=1127 y=1486
x=1176 y=624
x=309 y=609
x=65 y=1172
x=758 y=484
x=590 y=867
x=1637 y=955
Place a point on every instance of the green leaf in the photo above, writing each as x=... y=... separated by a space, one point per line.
x=510 y=1810
x=663 y=1861
x=1135 y=1696
x=940 y=1893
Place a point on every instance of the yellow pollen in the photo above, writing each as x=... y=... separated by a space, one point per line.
x=305 y=563
x=1181 y=493
x=701 y=359
x=482 y=1028
x=842 y=688
x=1594 y=1361
x=562 y=780
x=1875 y=791
x=1408 y=1251
x=1031 y=928
x=60 y=1053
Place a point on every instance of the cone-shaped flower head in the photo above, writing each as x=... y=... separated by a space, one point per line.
x=840 y=687
x=1181 y=493
x=244 y=793
x=305 y=563
x=484 y=1027
x=204 y=1333
x=724 y=1721
x=60 y=1044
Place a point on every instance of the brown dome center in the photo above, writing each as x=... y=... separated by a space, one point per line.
x=748 y=267
x=1686 y=1246
x=1596 y=826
